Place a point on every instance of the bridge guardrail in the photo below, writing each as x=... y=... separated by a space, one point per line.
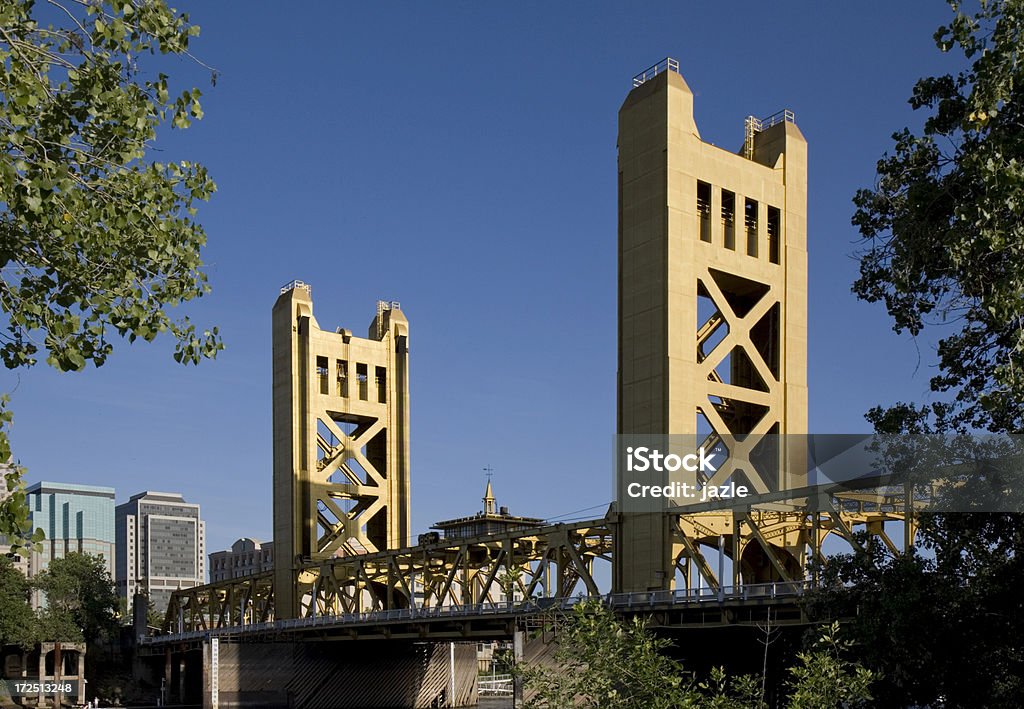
x=625 y=601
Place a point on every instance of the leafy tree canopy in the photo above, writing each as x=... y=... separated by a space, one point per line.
x=604 y=662
x=81 y=601
x=17 y=620
x=95 y=240
x=944 y=237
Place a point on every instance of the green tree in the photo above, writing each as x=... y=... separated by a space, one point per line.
x=17 y=621
x=945 y=252
x=95 y=240
x=604 y=663
x=942 y=623
x=81 y=600
x=825 y=679
x=945 y=241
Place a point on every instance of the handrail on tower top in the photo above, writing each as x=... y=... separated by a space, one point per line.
x=753 y=126
x=297 y=284
x=666 y=64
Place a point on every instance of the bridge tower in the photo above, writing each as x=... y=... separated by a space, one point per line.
x=712 y=307
x=341 y=442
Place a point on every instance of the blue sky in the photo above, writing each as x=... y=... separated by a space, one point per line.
x=460 y=158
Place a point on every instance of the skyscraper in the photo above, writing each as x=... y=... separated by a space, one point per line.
x=161 y=546
x=75 y=518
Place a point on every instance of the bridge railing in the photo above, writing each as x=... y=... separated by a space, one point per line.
x=635 y=601
x=495 y=685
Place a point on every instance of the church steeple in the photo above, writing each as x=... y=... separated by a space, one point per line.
x=490 y=507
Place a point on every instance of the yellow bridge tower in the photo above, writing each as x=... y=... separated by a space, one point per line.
x=712 y=314
x=341 y=442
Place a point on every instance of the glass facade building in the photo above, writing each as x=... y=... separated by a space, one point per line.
x=74 y=518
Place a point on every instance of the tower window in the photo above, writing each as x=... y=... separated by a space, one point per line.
x=729 y=218
x=362 y=379
x=321 y=373
x=342 y=377
x=750 y=219
x=774 y=223
x=704 y=211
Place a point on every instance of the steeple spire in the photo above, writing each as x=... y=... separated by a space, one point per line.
x=490 y=507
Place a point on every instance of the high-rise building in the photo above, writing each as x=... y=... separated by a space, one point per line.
x=75 y=518
x=161 y=546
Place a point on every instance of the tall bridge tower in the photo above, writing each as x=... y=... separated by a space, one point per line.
x=341 y=442
x=712 y=306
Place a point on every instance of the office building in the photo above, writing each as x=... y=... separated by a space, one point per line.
x=161 y=546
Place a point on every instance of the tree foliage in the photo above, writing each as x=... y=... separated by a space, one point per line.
x=945 y=251
x=81 y=601
x=942 y=624
x=825 y=679
x=95 y=239
x=945 y=242
x=16 y=618
x=603 y=662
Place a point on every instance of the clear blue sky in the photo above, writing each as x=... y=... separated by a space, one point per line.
x=460 y=158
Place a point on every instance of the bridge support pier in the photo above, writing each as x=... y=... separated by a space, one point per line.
x=392 y=674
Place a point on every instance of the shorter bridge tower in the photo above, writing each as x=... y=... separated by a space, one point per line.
x=341 y=441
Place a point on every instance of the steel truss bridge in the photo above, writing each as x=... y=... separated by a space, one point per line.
x=480 y=586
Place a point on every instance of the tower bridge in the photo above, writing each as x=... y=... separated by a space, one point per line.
x=712 y=345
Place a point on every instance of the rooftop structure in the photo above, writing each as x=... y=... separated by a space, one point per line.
x=491 y=520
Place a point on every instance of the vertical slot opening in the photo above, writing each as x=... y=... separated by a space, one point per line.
x=342 y=377
x=363 y=380
x=321 y=374
x=729 y=218
x=774 y=223
x=382 y=384
x=750 y=220
x=704 y=211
